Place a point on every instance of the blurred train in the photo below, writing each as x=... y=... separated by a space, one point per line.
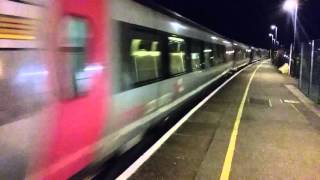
x=81 y=80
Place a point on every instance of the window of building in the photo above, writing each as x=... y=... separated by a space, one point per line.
x=177 y=55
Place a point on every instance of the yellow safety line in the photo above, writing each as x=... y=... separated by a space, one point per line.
x=232 y=144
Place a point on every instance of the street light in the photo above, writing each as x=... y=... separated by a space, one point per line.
x=291 y=6
x=275 y=28
x=271 y=35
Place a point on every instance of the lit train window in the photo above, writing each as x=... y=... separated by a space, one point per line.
x=73 y=46
x=196 y=63
x=146 y=56
x=177 y=55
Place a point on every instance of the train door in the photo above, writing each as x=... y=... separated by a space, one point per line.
x=81 y=81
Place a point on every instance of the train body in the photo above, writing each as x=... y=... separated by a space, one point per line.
x=81 y=80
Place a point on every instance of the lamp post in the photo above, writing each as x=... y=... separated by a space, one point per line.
x=291 y=6
x=272 y=40
x=275 y=28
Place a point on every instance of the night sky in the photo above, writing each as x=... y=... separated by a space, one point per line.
x=249 y=21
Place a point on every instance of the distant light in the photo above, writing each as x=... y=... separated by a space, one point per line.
x=290 y=5
x=248 y=50
x=270 y=35
x=235 y=44
x=207 y=50
x=214 y=38
x=177 y=26
x=273 y=27
x=226 y=42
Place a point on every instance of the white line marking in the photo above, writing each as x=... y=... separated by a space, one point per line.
x=144 y=157
x=291 y=101
x=270 y=103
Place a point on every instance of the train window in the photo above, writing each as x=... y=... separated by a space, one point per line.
x=73 y=47
x=230 y=54
x=208 y=55
x=211 y=56
x=146 y=56
x=177 y=55
x=221 y=51
x=196 y=55
x=237 y=54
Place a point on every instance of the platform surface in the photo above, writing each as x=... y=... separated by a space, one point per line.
x=278 y=135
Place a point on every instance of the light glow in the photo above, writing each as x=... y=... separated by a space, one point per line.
x=207 y=50
x=214 y=38
x=290 y=5
x=177 y=26
x=273 y=27
x=93 y=67
x=230 y=52
x=270 y=35
x=226 y=42
x=146 y=53
x=36 y=73
x=235 y=44
x=175 y=39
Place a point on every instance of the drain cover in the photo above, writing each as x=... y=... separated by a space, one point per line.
x=260 y=101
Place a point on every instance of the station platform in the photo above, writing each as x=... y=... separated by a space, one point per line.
x=258 y=126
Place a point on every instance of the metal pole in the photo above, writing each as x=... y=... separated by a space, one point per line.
x=290 y=59
x=295 y=26
x=311 y=68
x=300 y=72
x=270 y=54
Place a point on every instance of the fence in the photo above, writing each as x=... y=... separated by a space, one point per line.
x=309 y=82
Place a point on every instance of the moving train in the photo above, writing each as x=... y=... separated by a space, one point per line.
x=81 y=80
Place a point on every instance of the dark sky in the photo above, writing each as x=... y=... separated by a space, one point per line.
x=249 y=21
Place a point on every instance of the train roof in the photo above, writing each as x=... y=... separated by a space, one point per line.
x=183 y=19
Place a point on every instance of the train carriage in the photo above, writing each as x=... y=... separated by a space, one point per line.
x=82 y=80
